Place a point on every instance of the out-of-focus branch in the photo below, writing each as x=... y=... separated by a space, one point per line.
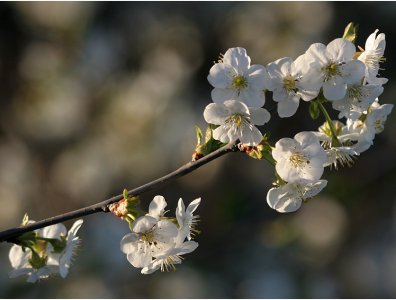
x=10 y=234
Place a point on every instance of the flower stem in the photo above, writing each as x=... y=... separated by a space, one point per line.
x=334 y=140
x=10 y=235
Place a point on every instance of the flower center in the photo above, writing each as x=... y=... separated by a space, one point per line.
x=237 y=119
x=331 y=70
x=356 y=93
x=289 y=82
x=239 y=82
x=373 y=61
x=297 y=159
x=148 y=237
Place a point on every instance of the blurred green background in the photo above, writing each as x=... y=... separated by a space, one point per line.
x=97 y=97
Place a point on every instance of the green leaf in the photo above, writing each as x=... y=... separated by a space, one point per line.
x=25 y=220
x=208 y=146
x=350 y=32
x=199 y=135
x=314 y=111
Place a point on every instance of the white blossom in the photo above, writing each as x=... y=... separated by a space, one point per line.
x=234 y=78
x=289 y=197
x=236 y=121
x=20 y=261
x=373 y=122
x=300 y=159
x=168 y=258
x=54 y=247
x=157 y=207
x=357 y=100
x=156 y=242
x=64 y=258
x=334 y=67
x=185 y=218
x=288 y=84
x=149 y=236
x=372 y=56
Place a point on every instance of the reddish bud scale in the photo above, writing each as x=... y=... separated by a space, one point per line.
x=119 y=209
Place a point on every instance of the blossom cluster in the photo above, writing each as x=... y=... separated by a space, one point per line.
x=44 y=252
x=157 y=241
x=336 y=73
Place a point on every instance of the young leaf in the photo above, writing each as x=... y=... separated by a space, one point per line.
x=350 y=32
x=314 y=110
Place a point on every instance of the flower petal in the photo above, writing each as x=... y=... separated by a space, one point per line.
x=220 y=75
x=250 y=136
x=335 y=88
x=353 y=71
x=221 y=95
x=53 y=231
x=144 y=224
x=128 y=243
x=216 y=113
x=157 y=206
x=288 y=108
x=282 y=200
x=340 y=50
x=257 y=77
x=237 y=58
x=236 y=107
x=259 y=116
x=252 y=98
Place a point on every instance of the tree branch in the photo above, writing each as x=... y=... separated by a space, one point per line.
x=10 y=234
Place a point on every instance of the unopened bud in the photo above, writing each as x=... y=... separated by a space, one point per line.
x=126 y=207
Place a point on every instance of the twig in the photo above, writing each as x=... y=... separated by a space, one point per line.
x=10 y=234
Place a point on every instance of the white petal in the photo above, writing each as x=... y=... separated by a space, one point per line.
x=165 y=231
x=237 y=58
x=19 y=272
x=220 y=75
x=180 y=212
x=257 y=77
x=157 y=207
x=282 y=147
x=236 y=107
x=221 y=134
x=221 y=95
x=252 y=97
x=193 y=206
x=17 y=257
x=53 y=231
x=307 y=95
x=280 y=95
x=259 y=116
x=140 y=259
x=335 y=88
x=282 y=201
x=129 y=243
x=316 y=54
x=288 y=108
x=74 y=229
x=216 y=113
x=314 y=188
x=353 y=71
x=341 y=50
x=151 y=268
x=250 y=136
x=144 y=224
x=187 y=247
x=306 y=138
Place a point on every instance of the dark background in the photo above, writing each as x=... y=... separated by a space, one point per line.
x=97 y=97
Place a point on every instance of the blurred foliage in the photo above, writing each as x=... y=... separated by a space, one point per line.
x=100 y=96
